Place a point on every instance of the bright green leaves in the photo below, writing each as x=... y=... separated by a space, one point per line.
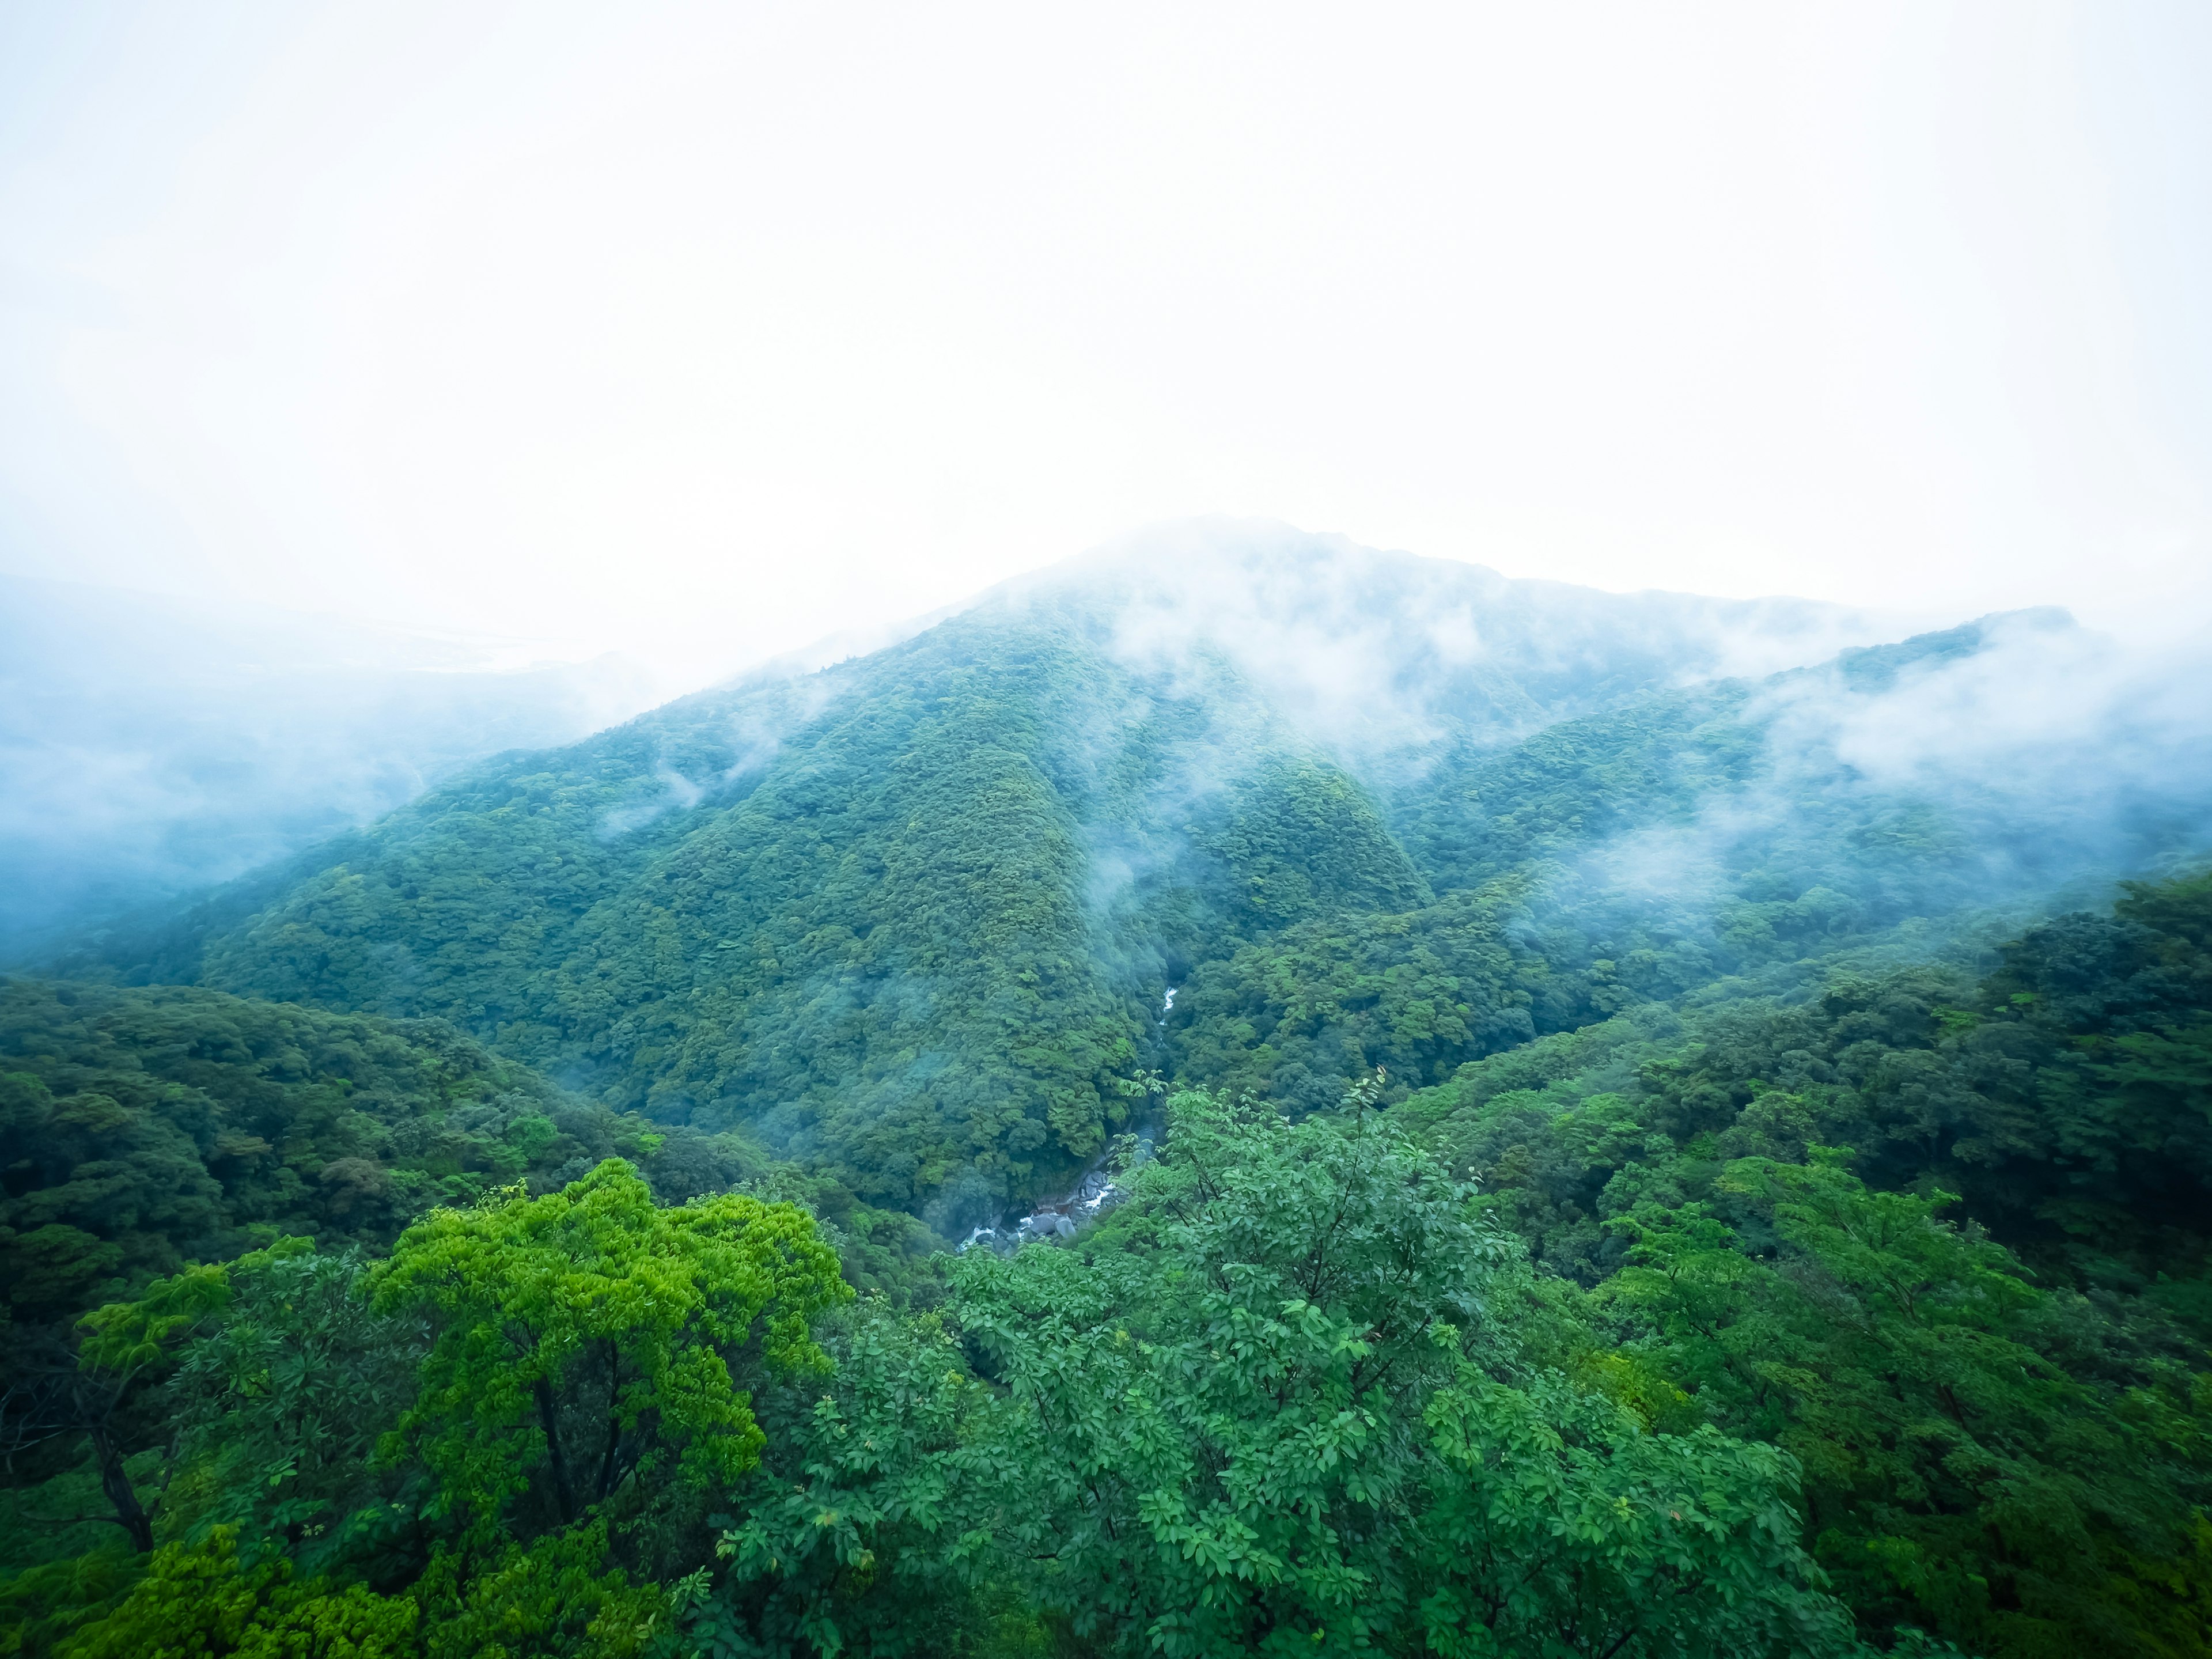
x=584 y=1340
x=198 y=1599
x=129 y=1336
x=555 y=1596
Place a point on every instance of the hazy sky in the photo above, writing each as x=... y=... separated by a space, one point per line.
x=703 y=331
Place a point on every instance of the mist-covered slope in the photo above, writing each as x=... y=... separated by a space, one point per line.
x=915 y=917
x=150 y=745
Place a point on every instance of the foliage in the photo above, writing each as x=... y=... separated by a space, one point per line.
x=582 y=1341
x=1296 y=1018
x=556 y=1598
x=101 y=1394
x=141 y=1129
x=43 y=1604
x=350 y=1446
x=1299 y=1419
x=1957 y=1475
x=1563 y=1527
x=277 y=1411
x=908 y=919
x=867 y=1530
x=1615 y=1195
x=200 y=1600
x=144 y=1129
x=2000 y=1429
x=868 y=911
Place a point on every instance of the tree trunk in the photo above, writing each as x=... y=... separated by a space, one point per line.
x=549 y=1420
x=614 y=1422
x=129 y=1515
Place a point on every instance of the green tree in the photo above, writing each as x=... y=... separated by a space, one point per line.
x=1301 y=1412
x=103 y=1392
x=868 y=1531
x=200 y=1601
x=556 y=1598
x=584 y=1341
x=1957 y=1475
x=276 y=1410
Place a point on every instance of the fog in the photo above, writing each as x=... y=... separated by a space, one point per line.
x=358 y=358
x=150 y=747
x=1926 y=801
x=1959 y=768
x=1382 y=654
x=701 y=332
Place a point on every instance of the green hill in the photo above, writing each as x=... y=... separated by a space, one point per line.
x=142 y=1129
x=913 y=919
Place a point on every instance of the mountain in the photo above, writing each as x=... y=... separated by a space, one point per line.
x=151 y=745
x=1627 y=1055
x=913 y=917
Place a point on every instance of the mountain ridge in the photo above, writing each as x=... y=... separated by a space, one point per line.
x=909 y=916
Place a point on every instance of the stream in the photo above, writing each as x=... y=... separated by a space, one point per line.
x=1093 y=1193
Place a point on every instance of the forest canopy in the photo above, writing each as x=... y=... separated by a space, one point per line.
x=1867 y=1320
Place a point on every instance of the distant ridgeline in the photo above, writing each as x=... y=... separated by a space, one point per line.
x=911 y=920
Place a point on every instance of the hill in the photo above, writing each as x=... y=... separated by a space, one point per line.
x=1789 y=1156
x=913 y=917
x=142 y=1130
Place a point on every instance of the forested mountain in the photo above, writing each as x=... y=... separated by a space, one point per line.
x=911 y=918
x=1666 y=1128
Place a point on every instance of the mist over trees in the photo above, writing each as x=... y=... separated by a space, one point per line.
x=1637 y=1125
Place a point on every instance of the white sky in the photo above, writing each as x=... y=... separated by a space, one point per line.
x=700 y=332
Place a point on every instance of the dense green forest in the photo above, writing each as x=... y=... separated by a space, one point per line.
x=1871 y=1317
x=141 y=1130
x=1604 y=1163
x=910 y=922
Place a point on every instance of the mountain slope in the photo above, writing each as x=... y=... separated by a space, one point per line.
x=150 y=746
x=914 y=917
x=875 y=913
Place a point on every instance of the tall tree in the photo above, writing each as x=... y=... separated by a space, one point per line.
x=585 y=1340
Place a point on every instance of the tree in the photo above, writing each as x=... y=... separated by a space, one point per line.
x=201 y=1600
x=1300 y=1412
x=277 y=1408
x=867 y=1530
x=1557 y=1525
x=1957 y=1475
x=585 y=1340
x=102 y=1388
